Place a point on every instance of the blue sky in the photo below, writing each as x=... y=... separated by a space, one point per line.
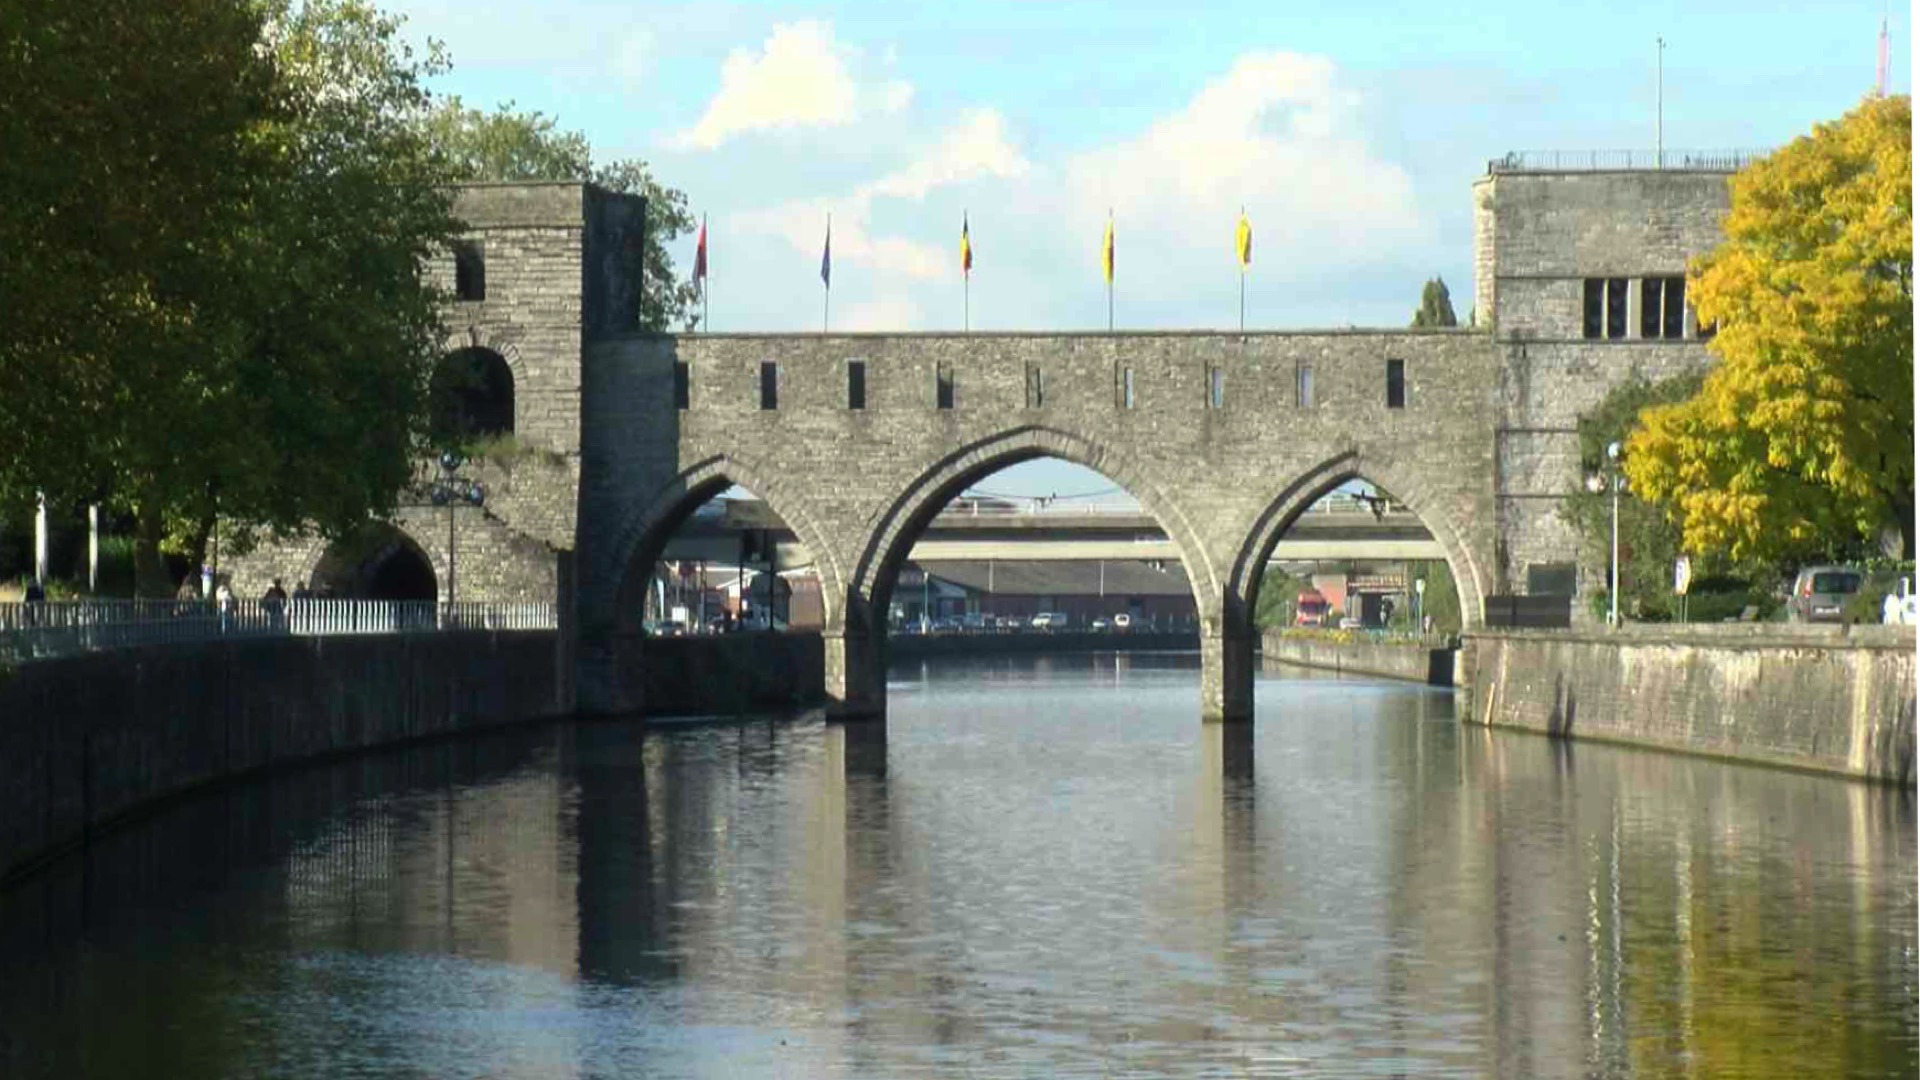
x=1351 y=133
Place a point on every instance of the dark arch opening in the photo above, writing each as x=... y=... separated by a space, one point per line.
x=1144 y=584
x=720 y=560
x=379 y=562
x=1355 y=557
x=472 y=396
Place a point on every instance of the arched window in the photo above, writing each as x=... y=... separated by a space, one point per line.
x=472 y=395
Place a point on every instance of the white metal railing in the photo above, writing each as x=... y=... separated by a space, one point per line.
x=36 y=631
x=1330 y=504
x=1605 y=160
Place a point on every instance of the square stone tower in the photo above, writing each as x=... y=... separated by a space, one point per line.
x=1580 y=268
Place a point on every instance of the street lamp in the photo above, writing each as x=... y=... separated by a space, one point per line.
x=450 y=491
x=1610 y=476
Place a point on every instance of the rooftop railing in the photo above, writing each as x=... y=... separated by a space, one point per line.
x=1524 y=161
x=41 y=631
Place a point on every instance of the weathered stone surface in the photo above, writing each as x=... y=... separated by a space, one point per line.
x=1484 y=450
x=857 y=484
x=1405 y=661
x=93 y=738
x=1830 y=700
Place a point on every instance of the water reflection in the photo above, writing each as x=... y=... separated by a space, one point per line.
x=1040 y=866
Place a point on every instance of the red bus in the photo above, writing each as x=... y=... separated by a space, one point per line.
x=1310 y=608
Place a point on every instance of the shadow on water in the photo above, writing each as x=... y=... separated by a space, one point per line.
x=1037 y=866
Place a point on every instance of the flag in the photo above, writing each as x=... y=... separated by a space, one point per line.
x=1106 y=250
x=826 y=258
x=1880 y=72
x=1243 y=241
x=700 y=253
x=966 y=247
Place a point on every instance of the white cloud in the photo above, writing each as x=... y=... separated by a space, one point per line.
x=798 y=78
x=880 y=315
x=976 y=148
x=1336 y=224
x=1276 y=134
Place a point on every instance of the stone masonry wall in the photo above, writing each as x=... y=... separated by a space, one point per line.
x=1406 y=661
x=1538 y=236
x=855 y=484
x=93 y=738
x=1825 y=699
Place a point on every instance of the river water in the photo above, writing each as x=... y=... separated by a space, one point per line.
x=1044 y=867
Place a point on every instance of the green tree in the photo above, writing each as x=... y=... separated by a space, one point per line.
x=1278 y=590
x=1441 y=600
x=1649 y=540
x=236 y=198
x=1802 y=435
x=508 y=145
x=1436 y=306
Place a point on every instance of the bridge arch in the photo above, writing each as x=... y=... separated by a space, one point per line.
x=1286 y=506
x=379 y=561
x=643 y=536
x=886 y=545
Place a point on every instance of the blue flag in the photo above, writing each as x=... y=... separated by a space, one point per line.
x=826 y=258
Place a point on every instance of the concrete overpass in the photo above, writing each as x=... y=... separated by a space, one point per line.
x=1335 y=528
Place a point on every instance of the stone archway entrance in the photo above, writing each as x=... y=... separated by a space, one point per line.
x=377 y=563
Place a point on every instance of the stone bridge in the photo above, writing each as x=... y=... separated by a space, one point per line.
x=857 y=441
x=604 y=439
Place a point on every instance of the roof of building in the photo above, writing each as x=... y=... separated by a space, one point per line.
x=1009 y=577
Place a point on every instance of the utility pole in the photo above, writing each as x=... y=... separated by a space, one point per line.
x=1660 y=103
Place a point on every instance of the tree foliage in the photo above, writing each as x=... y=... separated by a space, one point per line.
x=1802 y=435
x=508 y=145
x=1436 y=305
x=1649 y=540
x=234 y=198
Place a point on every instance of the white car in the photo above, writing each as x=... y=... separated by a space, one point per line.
x=1122 y=621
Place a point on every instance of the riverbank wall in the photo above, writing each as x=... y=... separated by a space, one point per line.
x=920 y=647
x=727 y=674
x=1408 y=661
x=92 y=739
x=1831 y=699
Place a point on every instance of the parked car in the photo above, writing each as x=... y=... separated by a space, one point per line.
x=1820 y=592
x=1122 y=622
x=1097 y=625
x=1050 y=620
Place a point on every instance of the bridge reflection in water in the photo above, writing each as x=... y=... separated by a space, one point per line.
x=1038 y=866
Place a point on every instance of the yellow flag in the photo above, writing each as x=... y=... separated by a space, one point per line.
x=1106 y=251
x=1243 y=241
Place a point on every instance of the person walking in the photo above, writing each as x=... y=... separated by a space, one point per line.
x=223 y=600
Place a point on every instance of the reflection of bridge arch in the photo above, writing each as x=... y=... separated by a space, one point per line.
x=1294 y=498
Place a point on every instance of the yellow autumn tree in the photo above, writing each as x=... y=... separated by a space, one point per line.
x=1801 y=438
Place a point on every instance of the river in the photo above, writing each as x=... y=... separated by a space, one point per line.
x=1045 y=866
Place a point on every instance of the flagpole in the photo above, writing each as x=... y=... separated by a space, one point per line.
x=706 y=286
x=1109 y=254
x=826 y=279
x=1240 y=257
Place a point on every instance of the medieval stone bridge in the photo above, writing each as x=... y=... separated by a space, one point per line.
x=604 y=439
x=857 y=441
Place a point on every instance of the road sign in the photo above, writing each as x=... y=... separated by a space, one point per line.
x=1682 y=575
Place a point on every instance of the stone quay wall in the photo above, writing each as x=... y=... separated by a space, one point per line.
x=1830 y=699
x=95 y=738
x=1406 y=661
x=725 y=674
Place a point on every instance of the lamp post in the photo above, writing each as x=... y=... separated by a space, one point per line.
x=450 y=490
x=1610 y=477
x=1420 y=605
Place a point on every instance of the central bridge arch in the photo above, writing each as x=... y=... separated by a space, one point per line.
x=884 y=547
